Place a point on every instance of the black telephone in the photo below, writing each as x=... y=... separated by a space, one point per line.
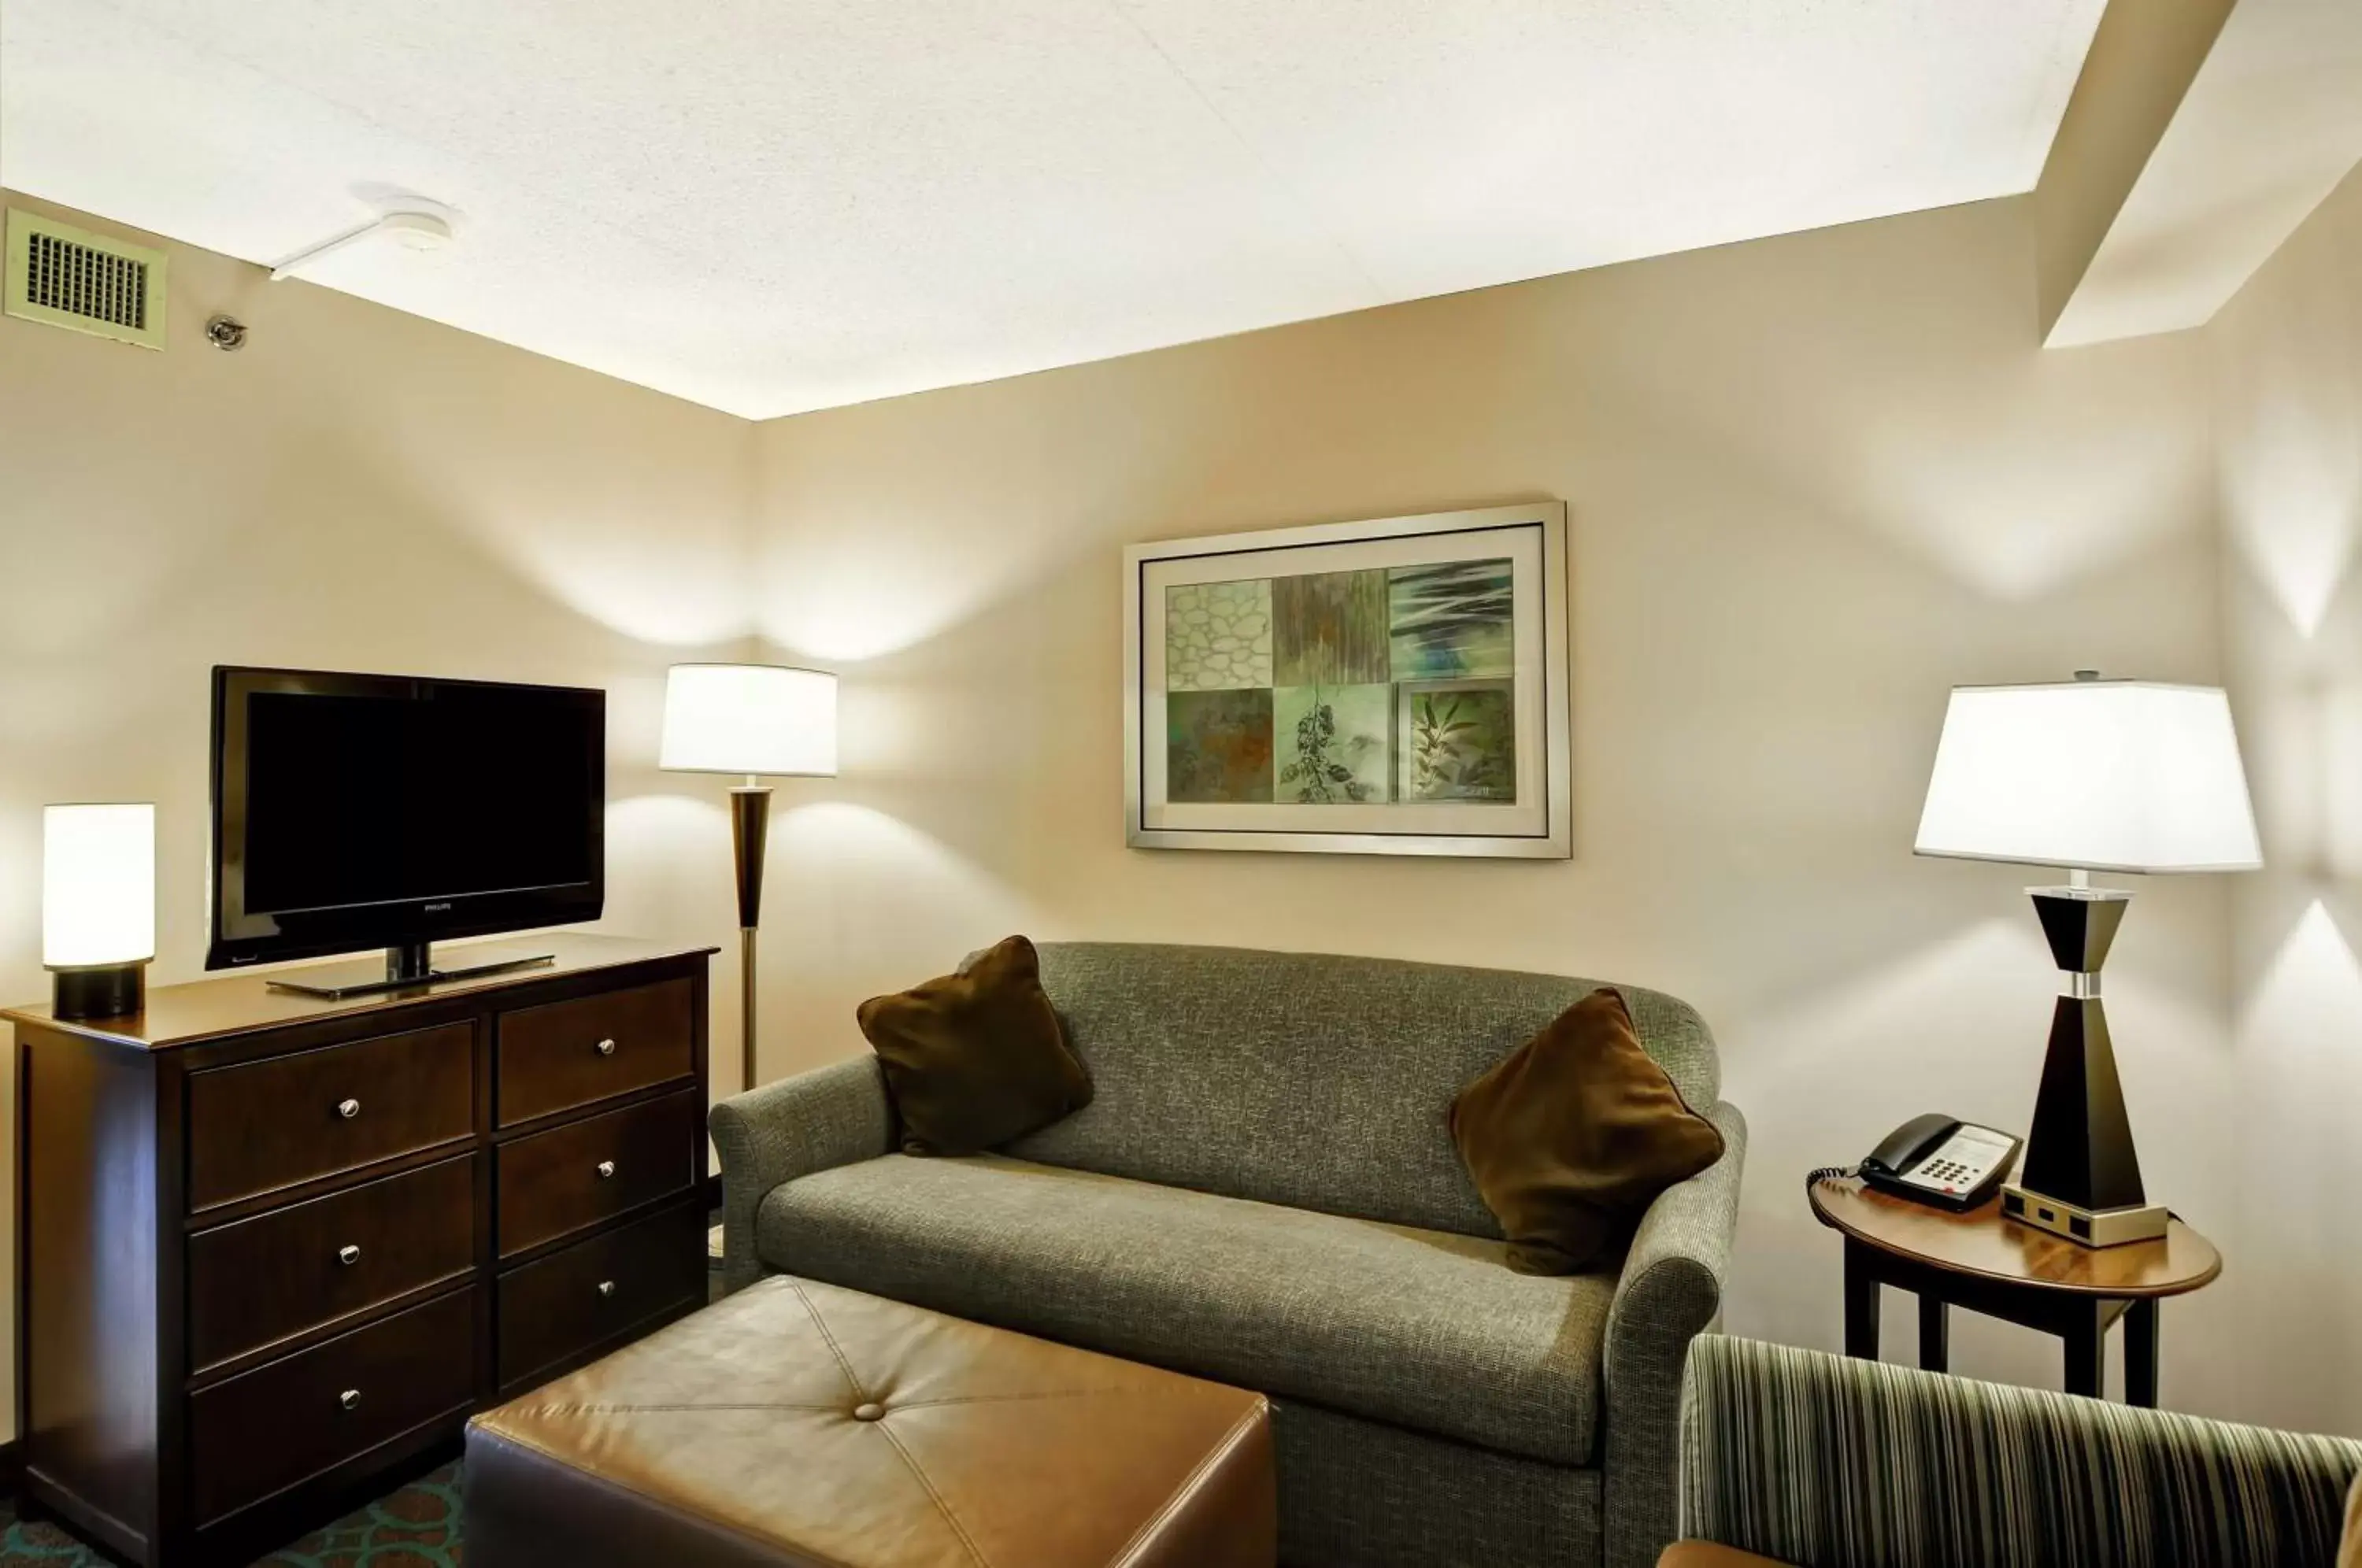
x=1939 y=1161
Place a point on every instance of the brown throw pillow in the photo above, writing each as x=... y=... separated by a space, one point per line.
x=976 y=1059
x=1572 y=1134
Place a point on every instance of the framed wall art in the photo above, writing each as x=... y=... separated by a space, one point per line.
x=1393 y=687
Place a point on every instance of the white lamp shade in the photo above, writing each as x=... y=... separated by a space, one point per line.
x=2099 y=775
x=98 y=885
x=749 y=718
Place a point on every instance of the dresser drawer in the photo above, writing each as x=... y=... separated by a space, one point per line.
x=566 y=1054
x=266 y=1430
x=555 y=1182
x=262 y=1280
x=553 y=1309
x=271 y=1124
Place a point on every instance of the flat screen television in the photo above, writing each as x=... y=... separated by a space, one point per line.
x=352 y=811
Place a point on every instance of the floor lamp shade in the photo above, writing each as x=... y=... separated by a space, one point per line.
x=98 y=905
x=2092 y=775
x=752 y=719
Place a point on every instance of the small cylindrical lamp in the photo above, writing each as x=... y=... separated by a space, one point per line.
x=752 y=719
x=98 y=907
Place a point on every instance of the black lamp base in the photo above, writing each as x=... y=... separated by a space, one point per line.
x=99 y=990
x=2081 y=1178
x=750 y=827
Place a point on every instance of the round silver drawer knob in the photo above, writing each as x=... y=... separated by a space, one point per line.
x=349 y=1254
x=348 y=1108
x=606 y=1169
x=606 y=1047
x=351 y=1399
x=606 y=1288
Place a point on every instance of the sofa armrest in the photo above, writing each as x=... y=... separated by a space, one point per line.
x=830 y=1116
x=1808 y=1457
x=1670 y=1292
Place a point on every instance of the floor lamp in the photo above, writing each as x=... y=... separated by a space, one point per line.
x=756 y=721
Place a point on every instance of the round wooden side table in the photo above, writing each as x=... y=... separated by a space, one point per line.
x=1986 y=1263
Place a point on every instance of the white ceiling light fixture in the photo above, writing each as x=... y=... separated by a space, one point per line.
x=415 y=225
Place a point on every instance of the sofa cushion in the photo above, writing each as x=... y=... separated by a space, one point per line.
x=975 y=1059
x=1421 y=1328
x=1304 y=1078
x=1572 y=1136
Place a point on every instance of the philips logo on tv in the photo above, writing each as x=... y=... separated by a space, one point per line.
x=436 y=909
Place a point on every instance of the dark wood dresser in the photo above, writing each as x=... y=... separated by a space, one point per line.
x=272 y=1250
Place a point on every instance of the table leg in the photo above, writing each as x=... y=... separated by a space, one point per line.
x=1934 y=1335
x=2087 y=1353
x=1860 y=1303
x=2140 y=1352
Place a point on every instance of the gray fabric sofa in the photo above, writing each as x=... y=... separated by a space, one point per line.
x=1263 y=1192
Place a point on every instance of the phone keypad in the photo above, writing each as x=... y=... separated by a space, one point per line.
x=1963 y=1161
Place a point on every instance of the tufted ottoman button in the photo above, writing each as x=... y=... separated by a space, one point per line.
x=867 y=1412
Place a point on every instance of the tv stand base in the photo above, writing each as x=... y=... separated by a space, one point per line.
x=405 y=968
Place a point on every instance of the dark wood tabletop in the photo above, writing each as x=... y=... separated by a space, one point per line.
x=1982 y=1244
x=240 y=1002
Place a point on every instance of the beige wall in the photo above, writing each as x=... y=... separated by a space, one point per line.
x=2285 y=367
x=357 y=489
x=1815 y=481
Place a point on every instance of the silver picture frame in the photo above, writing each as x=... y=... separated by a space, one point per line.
x=1538 y=826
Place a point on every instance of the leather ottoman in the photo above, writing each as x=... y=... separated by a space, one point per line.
x=797 y=1423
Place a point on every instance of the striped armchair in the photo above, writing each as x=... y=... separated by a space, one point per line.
x=1793 y=1456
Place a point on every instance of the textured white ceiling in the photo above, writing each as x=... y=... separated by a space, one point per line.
x=772 y=206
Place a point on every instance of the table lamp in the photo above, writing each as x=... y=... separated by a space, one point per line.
x=98 y=907
x=2088 y=775
x=753 y=719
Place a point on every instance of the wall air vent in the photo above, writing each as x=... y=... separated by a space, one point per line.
x=89 y=282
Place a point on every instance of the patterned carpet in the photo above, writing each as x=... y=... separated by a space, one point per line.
x=417 y=1527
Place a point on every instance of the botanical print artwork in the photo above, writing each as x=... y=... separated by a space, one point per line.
x=1389 y=687
x=1329 y=629
x=1333 y=745
x=1218 y=746
x=1260 y=707
x=1455 y=618
x=1460 y=740
x=1217 y=636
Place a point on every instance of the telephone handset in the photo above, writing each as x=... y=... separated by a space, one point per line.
x=1936 y=1160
